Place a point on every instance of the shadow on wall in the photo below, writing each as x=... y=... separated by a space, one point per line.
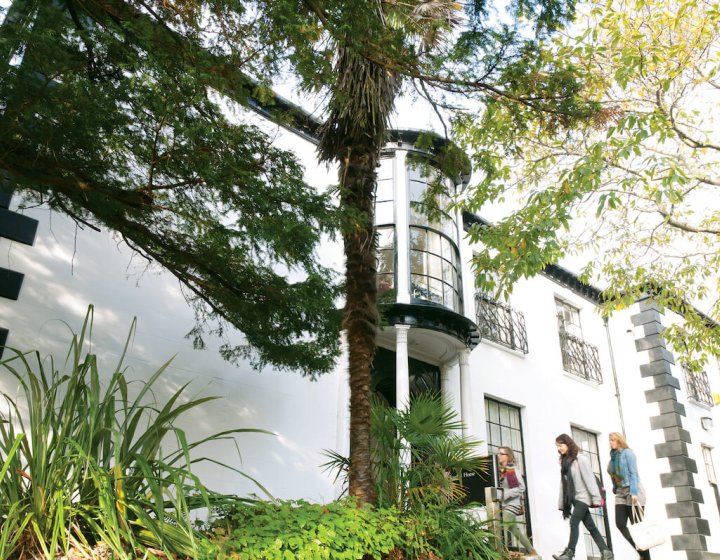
x=67 y=270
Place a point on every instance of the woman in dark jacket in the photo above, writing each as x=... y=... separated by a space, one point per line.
x=578 y=493
x=626 y=486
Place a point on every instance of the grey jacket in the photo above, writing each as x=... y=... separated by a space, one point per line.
x=586 y=488
x=512 y=497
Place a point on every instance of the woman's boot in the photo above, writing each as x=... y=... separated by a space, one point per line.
x=567 y=554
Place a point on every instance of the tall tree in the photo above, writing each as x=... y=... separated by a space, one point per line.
x=111 y=113
x=115 y=113
x=378 y=47
x=632 y=191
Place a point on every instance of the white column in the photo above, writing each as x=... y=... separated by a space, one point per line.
x=402 y=216
x=445 y=390
x=466 y=411
x=449 y=387
x=402 y=380
x=402 y=367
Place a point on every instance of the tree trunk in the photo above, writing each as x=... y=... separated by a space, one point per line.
x=360 y=318
x=352 y=136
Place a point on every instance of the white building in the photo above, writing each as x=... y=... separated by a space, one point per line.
x=519 y=373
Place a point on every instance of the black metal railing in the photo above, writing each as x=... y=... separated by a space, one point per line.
x=500 y=323
x=580 y=358
x=698 y=386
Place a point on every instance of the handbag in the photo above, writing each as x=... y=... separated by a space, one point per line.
x=646 y=534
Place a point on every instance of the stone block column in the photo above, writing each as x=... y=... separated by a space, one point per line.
x=688 y=498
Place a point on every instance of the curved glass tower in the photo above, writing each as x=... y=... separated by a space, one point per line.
x=419 y=269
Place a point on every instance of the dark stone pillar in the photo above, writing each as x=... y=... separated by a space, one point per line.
x=15 y=227
x=686 y=506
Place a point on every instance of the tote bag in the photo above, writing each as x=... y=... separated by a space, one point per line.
x=646 y=534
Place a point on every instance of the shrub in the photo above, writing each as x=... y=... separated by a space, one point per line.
x=418 y=455
x=297 y=530
x=83 y=464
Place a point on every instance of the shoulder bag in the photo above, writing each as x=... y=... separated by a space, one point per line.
x=646 y=534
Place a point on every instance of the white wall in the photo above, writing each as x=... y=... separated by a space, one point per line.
x=68 y=269
x=551 y=401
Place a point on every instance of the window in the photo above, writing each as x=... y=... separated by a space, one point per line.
x=384 y=193
x=579 y=357
x=434 y=268
x=500 y=323
x=698 y=386
x=426 y=182
x=434 y=255
x=568 y=318
x=710 y=470
x=709 y=467
x=505 y=430
x=385 y=259
x=587 y=441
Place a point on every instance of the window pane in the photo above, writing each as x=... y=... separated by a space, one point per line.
x=419 y=288
x=504 y=418
x=385 y=283
x=418 y=238
x=495 y=435
x=493 y=414
x=436 y=290
x=418 y=263
x=449 y=296
x=385 y=171
x=384 y=213
x=417 y=189
x=447 y=249
x=385 y=261
x=448 y=274
x=434 y=269
x=384 y=190
x=386 y=238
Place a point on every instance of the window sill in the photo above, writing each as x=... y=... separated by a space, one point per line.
x=579 y=379
x=518 y=353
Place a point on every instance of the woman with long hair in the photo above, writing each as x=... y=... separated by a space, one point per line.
x=578 y=493
x=627 y=488
x=513 y=490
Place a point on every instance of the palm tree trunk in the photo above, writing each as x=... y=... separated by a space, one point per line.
x=353 y=136
x=360 y=318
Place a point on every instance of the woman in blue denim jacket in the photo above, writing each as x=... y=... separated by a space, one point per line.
x=626 y=486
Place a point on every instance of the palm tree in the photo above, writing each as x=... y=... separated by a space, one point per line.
x=361 y=101
x=353 y=136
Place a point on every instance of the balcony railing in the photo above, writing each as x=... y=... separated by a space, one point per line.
x=500 y=323
x=580 y=358
x=698 y=386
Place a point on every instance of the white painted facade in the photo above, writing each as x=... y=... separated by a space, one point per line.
x=67 y=269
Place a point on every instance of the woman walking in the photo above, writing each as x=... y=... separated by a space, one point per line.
x=627 y=488
x=513 y=491
x=578 y=493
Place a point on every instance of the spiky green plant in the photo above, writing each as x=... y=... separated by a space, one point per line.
x=83 y=463
x=417 y=456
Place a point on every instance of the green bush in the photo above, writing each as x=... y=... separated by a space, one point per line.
x=82 y=464
x=299 y=530
x=418 y=454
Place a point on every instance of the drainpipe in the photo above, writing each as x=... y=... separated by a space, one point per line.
x=615 y=377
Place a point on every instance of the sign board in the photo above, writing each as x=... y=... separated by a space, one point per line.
x=475 y=484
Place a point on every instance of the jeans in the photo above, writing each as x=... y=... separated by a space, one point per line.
x=510 y=523
x=622 y=514
x=581 y=512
